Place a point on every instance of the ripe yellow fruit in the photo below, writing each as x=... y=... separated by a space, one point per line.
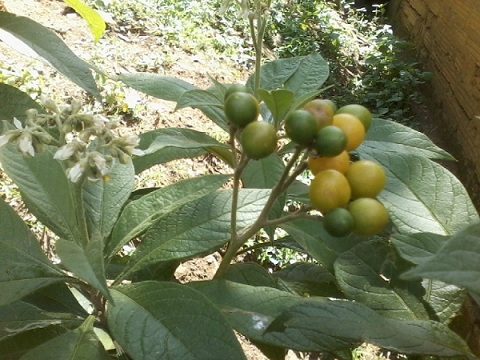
x=323 y=111
x=360 y=111
x=340 y=163
x=328 y=190
x=370 y=216
x=353 y=129
x=366 y=178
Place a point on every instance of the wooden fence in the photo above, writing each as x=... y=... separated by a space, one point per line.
x=447 y=36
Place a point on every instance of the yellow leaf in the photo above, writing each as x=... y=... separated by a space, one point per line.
x=94 y=20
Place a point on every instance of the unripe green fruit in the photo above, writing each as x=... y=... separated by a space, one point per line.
x=259 y=139
x=338 y=222
x=301 y=127
x=241 y=108
x=235 y=88
x=330 y=141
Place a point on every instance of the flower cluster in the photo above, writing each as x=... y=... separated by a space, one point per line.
x=88 y=144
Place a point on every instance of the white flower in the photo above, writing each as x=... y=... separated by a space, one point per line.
x=138 y=152
x=17 y=123
x=4 y=139
x=65 y=152
x=98 y=161
x=76 y=171
x=25 y=143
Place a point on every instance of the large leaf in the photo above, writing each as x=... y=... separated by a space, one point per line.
x=392 y=137
x=49 y=46
x=181 y=139
x=310 y=236
x=140 y=214
x=336 y=325
x=15 y=103
x=21 y=316
x=162 y=87
x=368 y=273
x=196 y=228
x=164 y=154
x=56 y=298
x=45 y=189
x=178 y=322
x=457 y=261
x=278 y=102
x=78 y=344
x=103 y=200
x=309 y=279
x=265 y=174
x=445 y=300
x=279 y=318
x=24 y=268
x=418 y=247
x=249 y=309
x=94 y=20
x=14 y=347
x=300 y=75
x=421 y=195
x=206 y=101
x=85 y=262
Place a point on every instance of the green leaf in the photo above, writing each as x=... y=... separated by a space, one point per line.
x=162 y=87
x=308 y=279
x=421 y=195
x=78 y=344
x=14 y=347
x=250 y=274
x=48 y=45
x=21 y=316
x=24 y=268
x=56 y=298
x=85 y=262
x=265 y=174
x=15 y=103
x=418 y=247
x=206 y=101
x=249 y=309
x=45 y=189
x=392 y=137
x=160 y=311
x=300 y=75
x=277 y=101
x=182 y=139
x=197 y=227
x=140 y=214
x=103 y=200
x=166 y=154
x=335 y=325
x=279 y=318
x=445 y=300
x=311 y=236
x=456 y=262
x=368 y=273
x=94 y=20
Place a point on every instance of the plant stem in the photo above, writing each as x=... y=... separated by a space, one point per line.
x=238 y=240
x=80 y=211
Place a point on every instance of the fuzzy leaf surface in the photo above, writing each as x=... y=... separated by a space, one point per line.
x=174 y=319
x=24 y=268
x=198 y=227
x=48 y=45
x=141 y=214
